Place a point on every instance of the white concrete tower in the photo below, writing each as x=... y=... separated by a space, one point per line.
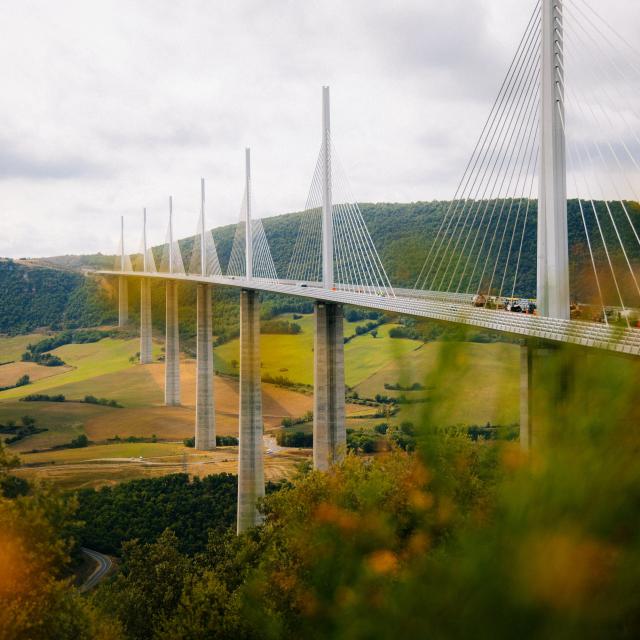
x=248 y=229
x=250 y=453
x=205 y=436
x=327 y=204
x=146 y=344
x=172 y=333
x=123 y=286
x=171 y=260
x=553 y=245
x=203 y=246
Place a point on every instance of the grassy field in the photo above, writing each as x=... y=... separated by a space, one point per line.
x=100 y=465
x=10 y=373
x=88 y=361
x=481 y=385
x=147 y=450
x=291 y=356
x=11 y=348
x=464 y=383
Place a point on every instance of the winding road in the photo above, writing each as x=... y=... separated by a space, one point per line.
x=104 y=564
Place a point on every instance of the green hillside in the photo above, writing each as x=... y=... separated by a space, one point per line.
x=33 y=296
x=53 y=294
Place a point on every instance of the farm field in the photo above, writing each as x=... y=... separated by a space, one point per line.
x=480 y=387
x=479 y=384
x=291 y=356
x=12 y=347
x=101 y=465
x=87 y=361
x=11 y=372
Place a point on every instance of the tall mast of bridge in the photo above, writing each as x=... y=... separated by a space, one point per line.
x=121 y=243
x=145 y=264
x=553 y=249
x=170 y=234
x=203 y=246
x=327 y=206
x=248 y=231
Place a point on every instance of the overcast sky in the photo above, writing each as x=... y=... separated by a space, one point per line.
x=109 y=106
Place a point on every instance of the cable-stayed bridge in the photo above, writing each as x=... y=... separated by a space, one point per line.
x=551 y=149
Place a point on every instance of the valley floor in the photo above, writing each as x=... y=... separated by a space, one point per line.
x=479 y=384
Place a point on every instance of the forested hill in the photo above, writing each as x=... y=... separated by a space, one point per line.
x=32 y=296
x=402 y=233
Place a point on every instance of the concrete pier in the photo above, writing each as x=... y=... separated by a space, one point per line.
x=329 y=435
x=205 y=416
x=526 y=374
x=250 y=459
x=123 y=301
x=146 y=344
x=172 y=348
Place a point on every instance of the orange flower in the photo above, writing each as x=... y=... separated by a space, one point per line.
x=331 y=514
x=383 y=561
x=566 y=570
x=421 y=500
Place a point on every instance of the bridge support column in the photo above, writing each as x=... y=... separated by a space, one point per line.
x=526 y=371
x=250 y=462
x=123 y=301
x=205 y=416
x=146 y=345
x=172 y=348
x=329 y=434
x=553 y=243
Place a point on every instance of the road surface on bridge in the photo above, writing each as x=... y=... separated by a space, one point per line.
x=435 y=306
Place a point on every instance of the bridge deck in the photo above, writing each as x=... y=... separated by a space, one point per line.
x=436 y=306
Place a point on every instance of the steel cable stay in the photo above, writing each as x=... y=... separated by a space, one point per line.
x=581 y=166
x=356 y=261
x=522 y=149
x=236 y=266
x=483 y=187
x=479 y=148
x=598 y=182
x=527 y=176
x=524 y=229
x=476 y=198
x=488 y=199
x=580 y=99
x=377 y=278
x=493 y=143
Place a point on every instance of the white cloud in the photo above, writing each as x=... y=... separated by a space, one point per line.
x=113 y=105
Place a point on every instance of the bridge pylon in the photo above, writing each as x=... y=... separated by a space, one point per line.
x=146 y=343
x=172 y=332
x=329 y=433
x=327 y=199
x=250 y=451
x=172 y=347
x=248 y=236
x=123 y=287
x=205 y=433
x=553 y=243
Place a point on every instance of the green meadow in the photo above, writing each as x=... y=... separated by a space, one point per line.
x=11 y=348
x=482 y=387
x=291 y=356
x=107 y=451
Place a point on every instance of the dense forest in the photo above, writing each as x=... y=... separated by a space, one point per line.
x=55 y=294
x=143 y=509
x=33 y=296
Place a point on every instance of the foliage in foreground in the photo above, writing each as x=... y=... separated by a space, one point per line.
x=461 y=539
x=37 y=596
